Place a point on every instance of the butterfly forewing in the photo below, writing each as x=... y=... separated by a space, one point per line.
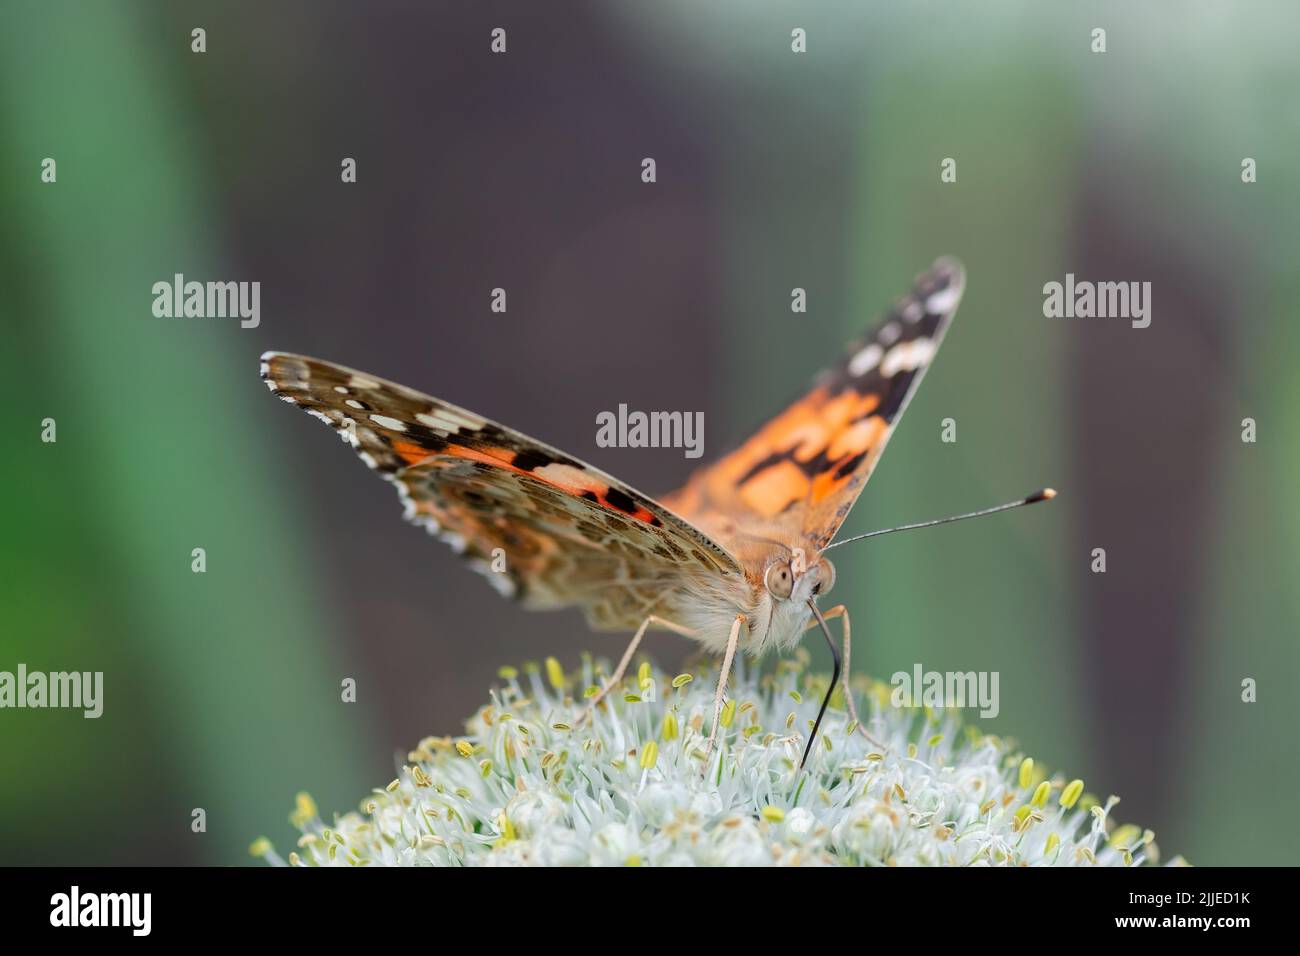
x=797 y=477
x=542 y=525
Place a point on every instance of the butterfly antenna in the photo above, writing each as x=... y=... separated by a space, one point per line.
x=835 y=679
x=1046 y=494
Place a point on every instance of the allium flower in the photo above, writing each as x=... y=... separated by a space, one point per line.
x=529 y=785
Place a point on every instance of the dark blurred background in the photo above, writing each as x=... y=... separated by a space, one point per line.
x=522 y=170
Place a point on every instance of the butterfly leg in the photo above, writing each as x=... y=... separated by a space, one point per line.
x=841 y=611
x=627 y=658
x=732 y=640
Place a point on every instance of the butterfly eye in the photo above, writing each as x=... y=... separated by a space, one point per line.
x=825 y=577
x=779 y=580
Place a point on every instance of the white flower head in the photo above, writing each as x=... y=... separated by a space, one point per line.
x=531 y=784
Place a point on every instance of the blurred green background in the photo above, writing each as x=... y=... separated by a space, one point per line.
x=776 y=170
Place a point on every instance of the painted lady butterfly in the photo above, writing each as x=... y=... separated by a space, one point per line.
x=734 y=559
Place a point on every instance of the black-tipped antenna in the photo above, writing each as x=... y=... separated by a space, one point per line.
x=1047 y=494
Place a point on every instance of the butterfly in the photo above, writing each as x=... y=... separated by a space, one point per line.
x=734 y=559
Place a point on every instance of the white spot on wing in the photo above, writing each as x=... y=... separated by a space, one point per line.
x=456 y=541
x=889 y=333
x=386 y=422
x=448 y=420
x=906 y=356
x=502 y=582
x=865 y=360
x=437 y=424
x=942 y=301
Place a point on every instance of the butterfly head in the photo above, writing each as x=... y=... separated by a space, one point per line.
x=792 y=577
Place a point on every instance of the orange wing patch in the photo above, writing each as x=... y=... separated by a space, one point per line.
x=772 y=490
x=411 y=454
